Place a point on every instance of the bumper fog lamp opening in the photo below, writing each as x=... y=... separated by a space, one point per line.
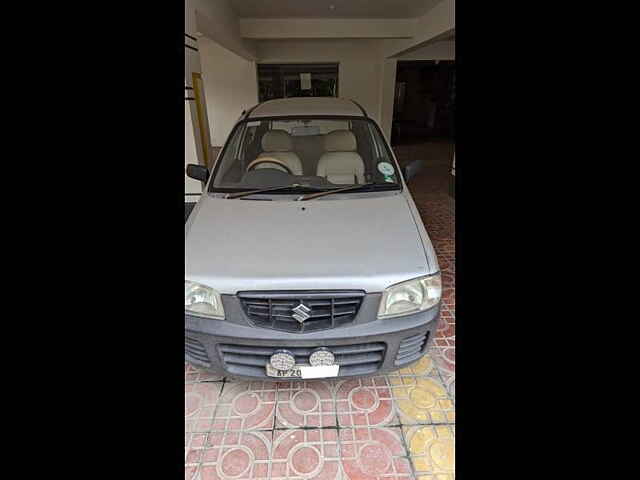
x=321 y=356
x=282 y=360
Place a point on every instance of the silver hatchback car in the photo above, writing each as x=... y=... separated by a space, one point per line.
x=306 y=256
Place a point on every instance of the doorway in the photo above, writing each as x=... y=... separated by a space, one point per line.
x=423 y=125
x=424 y=104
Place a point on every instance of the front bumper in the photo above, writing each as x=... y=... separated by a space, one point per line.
x=369 y=346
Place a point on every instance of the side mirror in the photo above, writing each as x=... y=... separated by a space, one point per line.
x=411 y=170
x=198 y=172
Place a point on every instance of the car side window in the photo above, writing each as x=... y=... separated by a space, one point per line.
x=231 y=171
x=383 y=167
x=365 y=145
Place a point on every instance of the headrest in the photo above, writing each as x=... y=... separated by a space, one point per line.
x=276 y=141
x=340 y=141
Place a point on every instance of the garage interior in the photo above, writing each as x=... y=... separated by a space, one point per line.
x=397 y=59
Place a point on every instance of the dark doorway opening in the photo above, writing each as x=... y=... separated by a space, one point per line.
x=424 y=101
x=423 y=124
x=297 y=80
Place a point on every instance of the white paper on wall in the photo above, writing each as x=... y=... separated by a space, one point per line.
x=305 y=81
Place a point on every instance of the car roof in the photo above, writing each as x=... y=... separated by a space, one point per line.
x=283 y=107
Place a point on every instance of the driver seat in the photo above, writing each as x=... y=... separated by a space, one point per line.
x=277 y=144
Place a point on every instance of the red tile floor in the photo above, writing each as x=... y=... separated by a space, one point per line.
x=395 y=426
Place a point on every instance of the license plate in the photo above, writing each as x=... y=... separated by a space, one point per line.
x=305 y=371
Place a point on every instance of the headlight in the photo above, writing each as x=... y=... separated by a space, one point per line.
x=410 y=297
x=202 y=300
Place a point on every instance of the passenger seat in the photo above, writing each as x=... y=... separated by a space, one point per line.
x=277 y=144
x=341 y=162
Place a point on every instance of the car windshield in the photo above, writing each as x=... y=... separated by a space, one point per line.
x=308 y=154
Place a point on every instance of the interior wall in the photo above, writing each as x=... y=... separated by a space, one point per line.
x=387 y=94
x=216 y=20
x=360 y=70
x=445 y=50
x=192 y=188
x=230 y=86
x=437 y=21
x=364 y=75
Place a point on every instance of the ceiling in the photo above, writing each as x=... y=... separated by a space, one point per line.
x=322 y=8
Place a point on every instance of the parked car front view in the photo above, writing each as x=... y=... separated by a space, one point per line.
x=306 y=256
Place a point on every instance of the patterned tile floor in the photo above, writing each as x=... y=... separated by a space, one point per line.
x=395 y=426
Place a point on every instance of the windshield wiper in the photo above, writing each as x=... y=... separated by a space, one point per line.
x=272 y=189
x=344 y=189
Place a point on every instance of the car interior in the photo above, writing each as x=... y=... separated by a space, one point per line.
x=337 y=152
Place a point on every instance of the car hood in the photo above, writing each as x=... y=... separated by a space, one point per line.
x=329 y=243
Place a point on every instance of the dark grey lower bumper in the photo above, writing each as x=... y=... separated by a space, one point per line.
x=391 y=344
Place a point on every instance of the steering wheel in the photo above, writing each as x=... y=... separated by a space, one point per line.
x=261 y=160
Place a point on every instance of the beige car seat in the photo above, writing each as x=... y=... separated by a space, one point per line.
x=277 y=144
x=341 y=162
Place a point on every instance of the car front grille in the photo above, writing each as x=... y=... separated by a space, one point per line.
x=196 y=350
x=411 y=348
x=360 y=359
x=316 y=310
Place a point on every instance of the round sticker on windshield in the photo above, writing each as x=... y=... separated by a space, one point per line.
x=385 y=168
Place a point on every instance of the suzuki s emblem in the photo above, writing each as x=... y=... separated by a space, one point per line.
x=301 y=312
